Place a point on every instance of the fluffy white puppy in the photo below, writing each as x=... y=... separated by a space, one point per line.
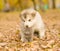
x=31 y=20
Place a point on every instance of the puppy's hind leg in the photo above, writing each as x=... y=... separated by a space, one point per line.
x=42 y=33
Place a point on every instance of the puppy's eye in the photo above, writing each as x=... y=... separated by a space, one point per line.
x=29 y=20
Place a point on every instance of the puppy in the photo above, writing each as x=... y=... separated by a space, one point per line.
x=31 y=24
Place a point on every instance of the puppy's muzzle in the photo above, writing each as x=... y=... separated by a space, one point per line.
x=26 y=26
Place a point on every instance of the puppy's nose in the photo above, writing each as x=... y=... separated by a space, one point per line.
x=26 y=26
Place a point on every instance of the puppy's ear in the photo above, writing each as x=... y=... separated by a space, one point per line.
x=33 y=14
x=21 y=17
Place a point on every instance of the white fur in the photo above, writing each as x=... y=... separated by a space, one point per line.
x=35 y=24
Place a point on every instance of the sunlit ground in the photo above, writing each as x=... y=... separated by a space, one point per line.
x=9 y=33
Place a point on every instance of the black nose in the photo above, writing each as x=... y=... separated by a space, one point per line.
x=27 y=26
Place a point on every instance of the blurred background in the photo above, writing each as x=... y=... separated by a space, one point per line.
x=10 y=25
x=18 y=5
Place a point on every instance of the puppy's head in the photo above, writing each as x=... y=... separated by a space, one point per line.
x=27 y=16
